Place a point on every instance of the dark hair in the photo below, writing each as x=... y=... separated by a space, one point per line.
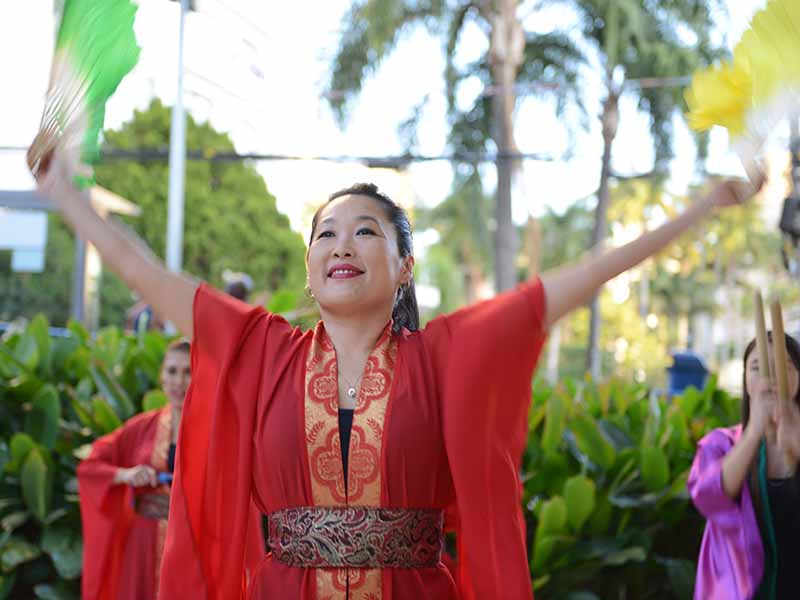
x=237 y=289
x=405 y=313
x=179 y=345
x=793 y=352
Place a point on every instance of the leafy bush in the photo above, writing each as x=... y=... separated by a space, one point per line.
x=605 y=488
x=57 y=394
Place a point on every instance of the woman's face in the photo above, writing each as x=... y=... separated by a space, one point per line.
x=176 y=372
x=354 y=266
x=761 y=389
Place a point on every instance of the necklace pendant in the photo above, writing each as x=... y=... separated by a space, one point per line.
x=351 y=392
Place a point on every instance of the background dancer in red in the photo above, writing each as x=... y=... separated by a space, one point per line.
x=124 y=489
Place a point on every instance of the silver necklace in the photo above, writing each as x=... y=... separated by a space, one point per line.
x=351 y=389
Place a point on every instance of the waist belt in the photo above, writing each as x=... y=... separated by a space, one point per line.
x=152 y=506
x=356 y=537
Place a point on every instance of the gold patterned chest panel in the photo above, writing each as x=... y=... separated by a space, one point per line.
x=158 y=460
x=364 y=456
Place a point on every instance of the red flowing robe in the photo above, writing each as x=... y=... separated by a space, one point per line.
x=440 y=422
x=122 y=550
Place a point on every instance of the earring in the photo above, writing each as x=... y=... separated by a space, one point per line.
x=307 y=291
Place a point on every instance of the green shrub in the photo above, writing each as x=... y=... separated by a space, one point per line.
x=57 y=394
x=605 y=476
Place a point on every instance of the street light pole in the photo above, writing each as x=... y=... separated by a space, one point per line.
x=177 y=161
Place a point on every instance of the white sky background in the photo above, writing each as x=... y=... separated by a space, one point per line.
x=290 y=43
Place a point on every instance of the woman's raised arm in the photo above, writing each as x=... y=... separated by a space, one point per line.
x=567 y=288
x=170 y=294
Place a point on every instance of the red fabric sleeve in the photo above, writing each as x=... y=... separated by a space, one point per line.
x=214 y=532
x=484 y=359
x=106 y=510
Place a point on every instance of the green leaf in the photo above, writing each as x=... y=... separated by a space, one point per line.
x=80 y=332
x=24 y=386
x=601 y=517
x=634 y=554
x=36 y=484
x=21 y=445
x=112 y=391
x=681 y=574
x=56 y=515
x=64 y=546
x=549 y=533
x=154 y=399
x=282 y=301
x=592 y=441
x=80 y=411
x=16 y=552
x=7 y=584
x=39 y=329
x=27 y=352
x=46 y=591
x=554 y=423
x=689 y=401
x=13 y=520
x=655 y=468
x=582 y=595
x=63 y=350
x=5 y=455
x=42 y=421
x=553 y=517
x=104 y=417
x=579 y=494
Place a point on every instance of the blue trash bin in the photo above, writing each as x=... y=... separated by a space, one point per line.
x=687 y=369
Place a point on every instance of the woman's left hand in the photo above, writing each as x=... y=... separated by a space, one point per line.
x=788 y=433
x=732 y=192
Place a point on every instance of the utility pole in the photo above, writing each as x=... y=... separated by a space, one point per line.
x=177 y=158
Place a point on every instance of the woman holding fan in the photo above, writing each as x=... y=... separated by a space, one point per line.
x=744 y=480
x=357 y=437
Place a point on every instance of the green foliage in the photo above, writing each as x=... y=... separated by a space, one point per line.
x=687 y=279
x=56 y=396
x=231 y=222
x=459 y=264
x=605 y=488
x=645 y=39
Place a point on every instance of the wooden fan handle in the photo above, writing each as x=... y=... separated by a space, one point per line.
x=40 y=152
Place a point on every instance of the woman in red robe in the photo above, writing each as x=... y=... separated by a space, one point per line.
x=359 y=437
x=124 y=491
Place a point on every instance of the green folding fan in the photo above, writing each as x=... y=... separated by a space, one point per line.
x=95 y=49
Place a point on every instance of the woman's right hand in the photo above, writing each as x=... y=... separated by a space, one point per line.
x=762 y=411
x=138 y=476
x=170 y=294
x=53 y=176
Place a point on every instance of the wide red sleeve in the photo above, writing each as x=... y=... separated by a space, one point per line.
x=106 y=512
x=213 y=535
x=484 y=358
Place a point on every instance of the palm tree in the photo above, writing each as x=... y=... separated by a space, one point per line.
x=460 y=221
x=642 y=45
x=515 y=59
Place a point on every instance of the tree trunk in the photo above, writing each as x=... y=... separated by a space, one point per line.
x=506 y=52
x=553 y=352
x=610 y=120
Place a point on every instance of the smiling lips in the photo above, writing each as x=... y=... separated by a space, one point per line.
x=344 y=271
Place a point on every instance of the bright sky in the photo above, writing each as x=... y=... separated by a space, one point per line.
x=256 y=70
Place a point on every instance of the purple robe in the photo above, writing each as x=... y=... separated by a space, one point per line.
x=731 y=562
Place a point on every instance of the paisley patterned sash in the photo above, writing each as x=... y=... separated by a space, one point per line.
x=356 y=537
